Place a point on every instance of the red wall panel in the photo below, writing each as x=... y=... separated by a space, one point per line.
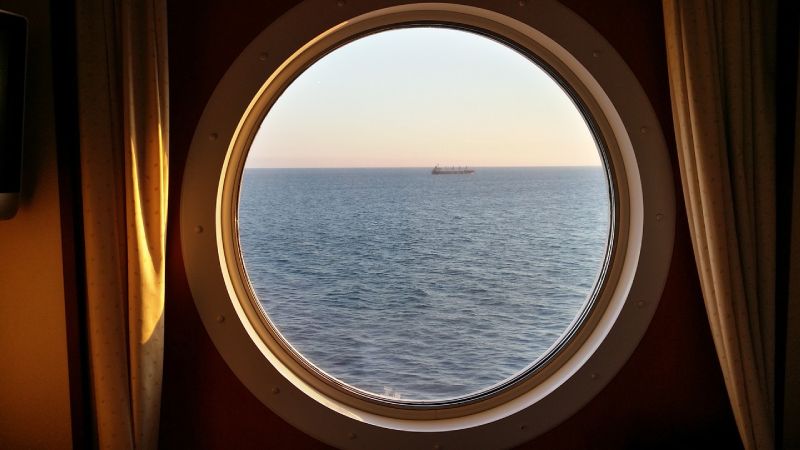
x=670 y=394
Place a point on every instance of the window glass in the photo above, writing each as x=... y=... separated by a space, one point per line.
x=424 y=214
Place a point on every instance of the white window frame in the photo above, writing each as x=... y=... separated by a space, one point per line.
x=644 y=220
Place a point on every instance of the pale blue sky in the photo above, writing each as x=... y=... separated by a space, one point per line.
x=416 y=97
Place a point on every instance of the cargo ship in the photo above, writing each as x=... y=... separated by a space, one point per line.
x=452 y=170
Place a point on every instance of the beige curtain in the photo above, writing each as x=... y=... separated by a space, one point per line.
x=122 y=83
x=721 y=71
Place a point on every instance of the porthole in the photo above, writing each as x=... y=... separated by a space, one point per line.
x=403 y=287
x=359 y=304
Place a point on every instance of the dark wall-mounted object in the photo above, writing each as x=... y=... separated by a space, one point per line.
x=13 y=52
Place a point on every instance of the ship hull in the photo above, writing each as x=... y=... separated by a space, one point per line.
x=452 y=172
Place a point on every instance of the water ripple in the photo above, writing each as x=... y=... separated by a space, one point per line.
x=420 y=287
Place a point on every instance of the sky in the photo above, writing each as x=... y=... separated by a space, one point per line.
x=418 y=97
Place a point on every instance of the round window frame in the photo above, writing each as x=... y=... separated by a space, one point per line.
x=572 y=337
x=627 y=127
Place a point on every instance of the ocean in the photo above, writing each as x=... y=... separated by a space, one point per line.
x=423 y=287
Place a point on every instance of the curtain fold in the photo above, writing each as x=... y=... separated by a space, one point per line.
x=123 y=123
x=721 y=71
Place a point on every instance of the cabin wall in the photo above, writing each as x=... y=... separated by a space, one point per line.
x=670 y=394
x=34 y=379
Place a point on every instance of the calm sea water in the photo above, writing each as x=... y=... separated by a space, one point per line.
x=423 y=287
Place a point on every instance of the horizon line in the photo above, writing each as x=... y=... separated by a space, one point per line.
x=425 y=167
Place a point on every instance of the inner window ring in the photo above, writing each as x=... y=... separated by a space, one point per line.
x=541 y=369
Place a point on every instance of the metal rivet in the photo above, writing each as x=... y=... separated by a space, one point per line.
x=198 y=229
x=437 y=447
x=596 y=53
x=220 y=318
x=522 y=2
x=340 y=3
x=643 y=130
x=659 y=217
x=351 y=436
x=213 y=136
x=640 y=304
x=263 y=56
x=276 y=390
x=594 y=376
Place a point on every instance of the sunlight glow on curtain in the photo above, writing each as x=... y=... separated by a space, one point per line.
x=122 y=83
x=721 y=71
